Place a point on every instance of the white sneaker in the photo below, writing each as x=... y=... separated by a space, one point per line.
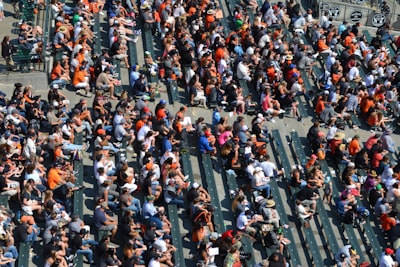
x=101 y=13
x=186 y=177
x=272 y=120
x=129 y=148
x=281 y=111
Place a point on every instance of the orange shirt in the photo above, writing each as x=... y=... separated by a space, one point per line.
x=219 y=54
x=56 y=73
x=57 y=153
x=320 y=106
x=373 y=119
x=79 y=76
x=161 y=114
x=139 y=124
x=354 y=147
x=322 y=45
x=53 y=178
x=366 y=104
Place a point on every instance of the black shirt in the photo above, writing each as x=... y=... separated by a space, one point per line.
x=114 y=49
x=305 y=193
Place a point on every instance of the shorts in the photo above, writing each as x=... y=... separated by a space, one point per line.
x=109 y=227
x=269 y=111
x=104 y=87
x=119 y=56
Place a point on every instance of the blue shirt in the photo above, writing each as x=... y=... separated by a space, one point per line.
x=133 y=76
x=99 y=217
x=166 y=145
x=204 y=145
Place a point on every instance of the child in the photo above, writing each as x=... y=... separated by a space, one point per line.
x=327 y=190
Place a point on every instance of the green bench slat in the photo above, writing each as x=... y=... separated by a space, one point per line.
x=4 y=200
x=23 y=254
x=298 y=148
x=353 y=240
x=117 y=63
x=219 y=224
x=301 y=108
x=348 y=228
x=367 y=35
x=284 y=160
x=246 y=242
x=187 y=165
x=327 y=227
x=314 y=250
x=173 y=91
x=306 y=80
x=292 y=250
x=176 y=235
x=324 y=219
x=78 y=166
x=244 y=86
x=78 y=261
x=355 y=119
x=149 y=46
x=96 y=28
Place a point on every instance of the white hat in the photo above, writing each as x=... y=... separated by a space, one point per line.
x=245 y=128
x=195 y=185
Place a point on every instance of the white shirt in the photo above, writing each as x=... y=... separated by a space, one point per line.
x=29 y=148
x=268 y=168
x=154 y=263
x=264 y=40
x=117 y=119
x=222 y=66
x=242 y=221
x=243 y=71
x=142 y=132
x=353 y=72
x=386 y=261
x=250 y=170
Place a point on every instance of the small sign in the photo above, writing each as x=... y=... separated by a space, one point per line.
x=378 y=20
x=324 y=6
x=334 y=11
x=356 y=16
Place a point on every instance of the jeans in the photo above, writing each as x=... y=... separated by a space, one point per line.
x=32 y=236
x=69 y=146
x=87 y=252
x=266 y=188
x=179 y=201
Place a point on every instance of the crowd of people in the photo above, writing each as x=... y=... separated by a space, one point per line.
x=38 y=135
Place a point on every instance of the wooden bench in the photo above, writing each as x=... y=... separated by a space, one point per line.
x=230 y=178
x=149 y=46
x=323 y=216
x=173 y=91
x=313 y=248
x=176 y=235
x=301 y=108
x=78 y=167
x=212 y=189
x=244 y=86
x=298 y=148
x=284 y=160
x=117 y=64
x=4 y=199
x=291 y=248
x=355 y=120
x=367 y=35
x=23 y=254
x=96 y=28
x=351 y=236
x=187 y=164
